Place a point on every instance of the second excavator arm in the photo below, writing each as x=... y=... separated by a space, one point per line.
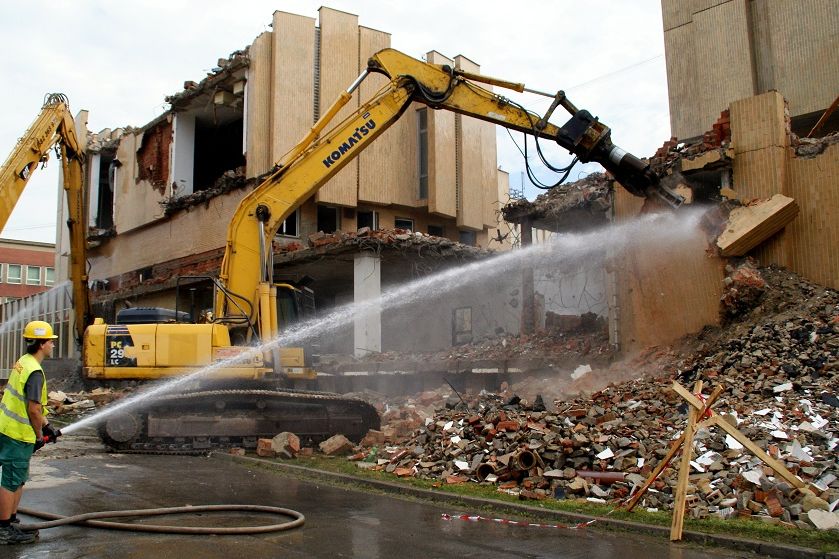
x=247 y=265
x=54 y=126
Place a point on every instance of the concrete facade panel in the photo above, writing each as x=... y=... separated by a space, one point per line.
x=681 y=77
x=758 y=122
x=470 y=210
x=442 y=164
x=663 y=293
x=258 y=114
x=339 y=66
x=292 y=81
x=804 y=47
x=723 y=60
x=136 y=203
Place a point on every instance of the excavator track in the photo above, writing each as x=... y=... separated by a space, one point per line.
x=199 y=422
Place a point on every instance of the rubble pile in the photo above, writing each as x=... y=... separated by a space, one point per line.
x=80 y=403
x=395 y=238
x=780 y=366
x=593 y=193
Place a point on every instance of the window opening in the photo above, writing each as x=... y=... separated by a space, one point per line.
x=436 y=230
x=422 y=117
x=33 y=275
x=289 y=226
x=13 y=273
x=469 y=238
x=328 y=219
x=404 y=223
x=462 y=325
x=367 y=219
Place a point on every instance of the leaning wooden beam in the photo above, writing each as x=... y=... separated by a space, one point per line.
x=757 y=451
x=679 y=500
x=674 y=448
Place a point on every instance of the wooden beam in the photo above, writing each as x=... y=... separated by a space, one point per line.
x=680 y=498
x=757 y=451
x=674 y=448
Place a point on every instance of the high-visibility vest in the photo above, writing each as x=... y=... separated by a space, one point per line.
x=14 y=419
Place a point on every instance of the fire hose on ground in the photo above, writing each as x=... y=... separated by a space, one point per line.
x=90 y=519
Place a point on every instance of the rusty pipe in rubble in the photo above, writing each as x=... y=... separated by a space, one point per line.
x=524 y=460
x=483 y=470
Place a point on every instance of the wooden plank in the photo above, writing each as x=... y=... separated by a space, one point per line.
x=748 y=226
x=684 y=471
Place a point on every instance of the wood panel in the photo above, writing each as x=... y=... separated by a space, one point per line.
x=442 y=164
x=470 y=207
x=258 y=114
x=339 y=67
x=292 y=80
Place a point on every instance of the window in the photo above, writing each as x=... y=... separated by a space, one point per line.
x=33 y=275
x=468 y=238
x=367 y=219
x=462 y=325
x=404 y=223
x=422 y=126
x=13 y=273
x=289 y=226
x=1 y=273
x=50 y=279
x=436 y=230
x=328 y=219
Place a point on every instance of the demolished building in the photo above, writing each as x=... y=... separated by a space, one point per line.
x=174 y=183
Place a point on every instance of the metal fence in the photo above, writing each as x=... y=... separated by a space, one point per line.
x=53 y=306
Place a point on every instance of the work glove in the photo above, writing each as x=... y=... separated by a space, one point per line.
x=38 y=444
x=49 y=433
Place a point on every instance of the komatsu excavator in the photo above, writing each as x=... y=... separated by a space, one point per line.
x=240 y=399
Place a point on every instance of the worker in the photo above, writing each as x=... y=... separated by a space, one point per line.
x=23 y=426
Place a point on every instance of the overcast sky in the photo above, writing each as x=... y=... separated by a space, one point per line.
x=119 y=60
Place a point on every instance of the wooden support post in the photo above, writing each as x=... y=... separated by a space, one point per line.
x=684 y=471
x=674 y=448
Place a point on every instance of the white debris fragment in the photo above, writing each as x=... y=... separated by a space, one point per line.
x=448 y=426
x=696 y=466
x=708 y=458
x=641 y=462
x=753 y=476
x=782 y=387
x=764 y=411
x=733 y=443
x=581 y=371
x=462 y=465
x=606 y=454
x=778 y=434
x=796 y=451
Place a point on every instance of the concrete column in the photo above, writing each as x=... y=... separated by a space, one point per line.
x=183 y=154
x=367 y=288
x=528 y=307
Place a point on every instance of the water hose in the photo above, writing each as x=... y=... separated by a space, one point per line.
x=88 y=519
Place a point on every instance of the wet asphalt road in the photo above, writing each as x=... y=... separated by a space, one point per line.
x=339 y=522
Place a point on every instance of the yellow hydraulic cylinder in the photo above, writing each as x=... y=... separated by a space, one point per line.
x=275 y=329
x=264 y=291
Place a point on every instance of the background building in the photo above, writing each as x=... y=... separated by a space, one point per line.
x=719 y=51
x=26 y=268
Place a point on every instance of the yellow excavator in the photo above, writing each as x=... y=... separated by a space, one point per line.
x=242 y=398
x=54 y=128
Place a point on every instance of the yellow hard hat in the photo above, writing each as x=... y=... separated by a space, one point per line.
x=38 y=330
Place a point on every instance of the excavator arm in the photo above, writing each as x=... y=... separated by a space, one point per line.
x=247 y=297
x=54 y=126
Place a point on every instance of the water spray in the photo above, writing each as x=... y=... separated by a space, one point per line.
x=648 y=229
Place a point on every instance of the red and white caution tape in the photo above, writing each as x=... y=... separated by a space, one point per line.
x=477 y=518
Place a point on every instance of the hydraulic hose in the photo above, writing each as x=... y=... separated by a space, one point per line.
x=89 y=519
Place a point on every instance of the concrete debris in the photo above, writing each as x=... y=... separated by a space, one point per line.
x=592 y=193
x=365 y=238
x=751 y=224
x=286 y=445
x=776 y=363
x=811 y=147
x=81 y=403
x=744 y=287
x=335 y=445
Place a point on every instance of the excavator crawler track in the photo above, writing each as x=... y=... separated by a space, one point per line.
x=199 y=422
